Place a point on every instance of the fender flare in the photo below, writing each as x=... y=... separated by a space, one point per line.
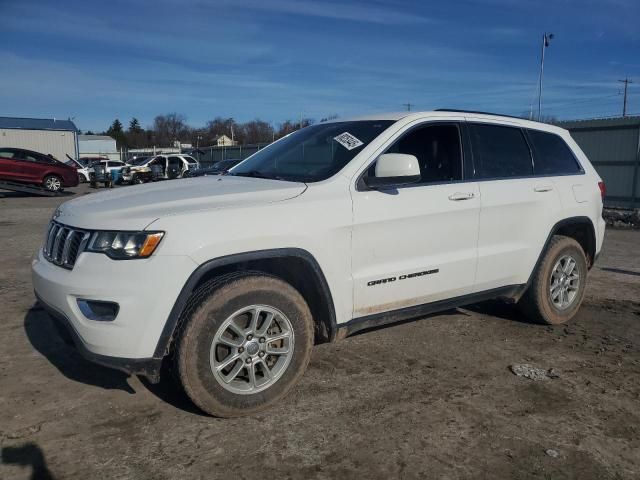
x=579 y=220
x=162 y=347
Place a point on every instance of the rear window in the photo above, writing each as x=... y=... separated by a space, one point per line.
x=551 y=154
x=499 y=152
x=6 y=154
x=190 y=159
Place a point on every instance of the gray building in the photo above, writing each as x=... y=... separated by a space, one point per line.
x=98 y=146
x=613 y=146
x=49 y=136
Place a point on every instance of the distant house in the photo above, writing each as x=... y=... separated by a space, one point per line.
x=224 y=141
x=43 y=135
x=98 y=146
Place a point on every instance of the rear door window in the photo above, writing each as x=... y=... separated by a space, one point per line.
x=551 y=154
x=499 y=151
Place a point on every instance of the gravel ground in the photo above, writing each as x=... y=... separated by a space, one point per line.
x=434 y=398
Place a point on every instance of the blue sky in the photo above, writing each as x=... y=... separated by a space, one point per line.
x=279 y=59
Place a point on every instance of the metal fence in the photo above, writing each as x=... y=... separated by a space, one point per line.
x=613 y=146
x=210 y=155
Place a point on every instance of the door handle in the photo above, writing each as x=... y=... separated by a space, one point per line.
x=543 y=188
x=456 y=197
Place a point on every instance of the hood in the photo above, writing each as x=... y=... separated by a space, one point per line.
x=135 y=207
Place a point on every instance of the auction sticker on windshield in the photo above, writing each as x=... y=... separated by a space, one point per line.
x=348 y=141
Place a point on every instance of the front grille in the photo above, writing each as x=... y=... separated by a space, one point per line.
x=63 y=244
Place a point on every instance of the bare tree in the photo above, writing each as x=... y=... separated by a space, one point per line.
x=288 y=126
x=257 y=131
x=221 y=126
x=170 y=128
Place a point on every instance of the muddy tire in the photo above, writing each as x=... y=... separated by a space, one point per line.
x=244 y=341
x=53 y=183
x=558 y=284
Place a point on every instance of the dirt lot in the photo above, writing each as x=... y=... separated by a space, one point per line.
x=432 y=398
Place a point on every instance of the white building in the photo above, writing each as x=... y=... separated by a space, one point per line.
x=224 y=141
x=98 y=146
x=48 y=136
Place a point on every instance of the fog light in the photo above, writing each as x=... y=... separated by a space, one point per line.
x=98 y=311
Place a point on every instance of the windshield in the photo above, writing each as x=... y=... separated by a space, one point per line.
x=312 y=154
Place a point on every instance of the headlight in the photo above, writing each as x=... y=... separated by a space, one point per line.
x=125 y=245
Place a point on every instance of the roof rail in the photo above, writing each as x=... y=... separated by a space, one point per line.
x=474 y=111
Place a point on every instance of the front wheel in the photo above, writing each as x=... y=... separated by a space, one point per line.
x=245 y=341
x=52 y=183
x=558 y=284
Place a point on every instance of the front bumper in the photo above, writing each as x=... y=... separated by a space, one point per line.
x=147 y=367
x=145 y=290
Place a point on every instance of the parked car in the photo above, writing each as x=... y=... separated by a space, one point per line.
x=83 y=172
x=217 y=168
x=166 y=167
x=25 y=166
x=112 y=168
x=334 y=229
x=87 y=161
x=110 y=165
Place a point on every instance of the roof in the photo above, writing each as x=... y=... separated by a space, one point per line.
x=37 y=124
x=446 y=113
x=87 y=138
x=374 y=116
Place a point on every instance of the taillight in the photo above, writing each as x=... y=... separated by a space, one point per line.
x=603 y=190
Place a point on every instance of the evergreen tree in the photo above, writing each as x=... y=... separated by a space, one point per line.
x=134 y=126
x=115 y=131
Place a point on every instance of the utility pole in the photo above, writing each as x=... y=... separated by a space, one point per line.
x=626 y=82
x=546 y=40
x=408 y=105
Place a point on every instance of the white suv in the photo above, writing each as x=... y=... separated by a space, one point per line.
x=333 y=229
x=169 y=166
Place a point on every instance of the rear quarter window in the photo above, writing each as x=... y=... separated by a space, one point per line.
x=552 y=155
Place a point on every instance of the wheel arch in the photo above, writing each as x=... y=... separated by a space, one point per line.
x=52 y=174
x=293 y=265
x=581 y=229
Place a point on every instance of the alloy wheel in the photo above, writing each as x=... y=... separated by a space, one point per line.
x=252 y=349
x=565 y=282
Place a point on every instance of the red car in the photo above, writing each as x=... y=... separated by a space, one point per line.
x=25 y=166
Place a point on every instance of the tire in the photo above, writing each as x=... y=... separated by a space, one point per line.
x=545 y=305
x=52 y=183
x=214 y=315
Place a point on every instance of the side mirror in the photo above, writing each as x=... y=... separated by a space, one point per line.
x=394 y=170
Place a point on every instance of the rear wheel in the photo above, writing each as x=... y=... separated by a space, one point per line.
x=558 y=284
x=246 y=340
x=53 y=183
